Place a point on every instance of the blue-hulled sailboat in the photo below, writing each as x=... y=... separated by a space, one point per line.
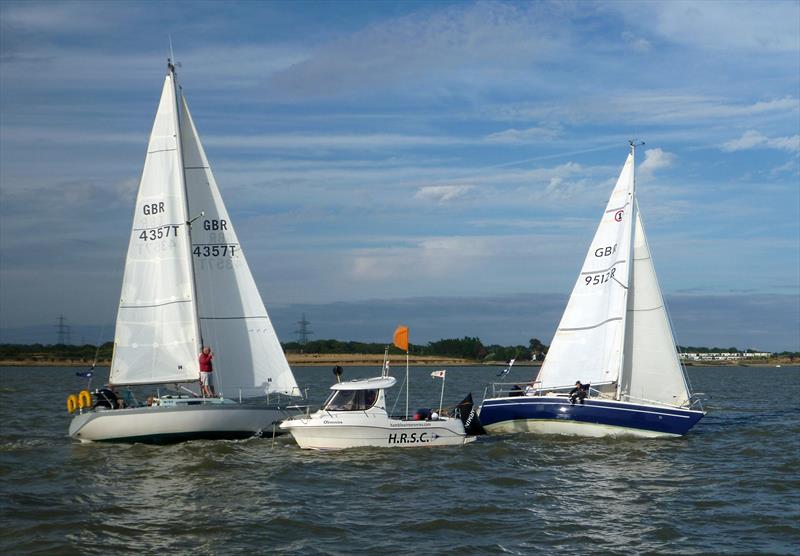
x=614 y=336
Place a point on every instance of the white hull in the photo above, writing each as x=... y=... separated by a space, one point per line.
x=170 y=424
x=571 y=428
x=332 y=433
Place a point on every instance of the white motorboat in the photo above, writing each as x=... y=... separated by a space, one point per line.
x=355 y=416
x=186 y=284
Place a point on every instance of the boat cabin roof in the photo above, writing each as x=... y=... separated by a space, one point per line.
x=366 y=383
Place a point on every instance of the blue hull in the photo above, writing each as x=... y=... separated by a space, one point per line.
x=555 y=414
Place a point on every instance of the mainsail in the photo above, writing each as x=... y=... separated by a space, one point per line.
x=156 y=334
x=588 y=344
x=233 y=319
x=185 y=284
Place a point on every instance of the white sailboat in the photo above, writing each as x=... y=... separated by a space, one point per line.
x=615 y=336
x=187 y=284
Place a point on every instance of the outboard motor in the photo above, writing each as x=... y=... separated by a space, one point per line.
x=466 y=412
x=105 y=397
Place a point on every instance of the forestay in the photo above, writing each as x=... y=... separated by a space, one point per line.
x=652 y=370
x=156 y=332
x=233 y=319
x=588 y=344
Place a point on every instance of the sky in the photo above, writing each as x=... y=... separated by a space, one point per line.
x=443 y=164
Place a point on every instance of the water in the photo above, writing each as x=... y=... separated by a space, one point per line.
x=731 y=486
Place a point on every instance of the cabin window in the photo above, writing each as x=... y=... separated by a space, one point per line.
x=351 y=400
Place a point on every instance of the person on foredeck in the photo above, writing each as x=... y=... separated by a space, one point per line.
x=206 y=369
x=577 y=393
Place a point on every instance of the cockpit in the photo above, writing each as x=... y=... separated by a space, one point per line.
x=351 y=400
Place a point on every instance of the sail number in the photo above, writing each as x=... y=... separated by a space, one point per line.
x=214 y=250
x=598 y=279
x=152 y=234
x=605 y=251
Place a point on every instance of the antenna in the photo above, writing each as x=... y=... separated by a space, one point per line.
x=635 y=143
x=171 y=63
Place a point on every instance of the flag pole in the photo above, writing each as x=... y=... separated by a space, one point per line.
x=407 y=384
x=441 y=397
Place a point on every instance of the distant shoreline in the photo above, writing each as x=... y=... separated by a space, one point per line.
x=395 y=361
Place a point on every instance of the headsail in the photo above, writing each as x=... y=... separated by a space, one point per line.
x=652 y=371
x=588 y=344
x=156 y=339
x=233 y=319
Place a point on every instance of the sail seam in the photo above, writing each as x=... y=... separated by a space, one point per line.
x=589 y=327
x=233 y=318
x=645 y=310
x=161 y=151
x=605 y=269
x=214 y=244
x=157 y=227
x=618 y=208
x=197 y=167
x=156 y=305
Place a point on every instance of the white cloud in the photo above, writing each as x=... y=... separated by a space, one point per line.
x=443 y=193
x=474 y=44
x=637 y=43
x=655 y=159
x=752 y=139
x=528 y=135
x=744 y=26
x=62 y=17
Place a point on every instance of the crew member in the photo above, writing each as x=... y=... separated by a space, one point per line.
x=206 y=369
x=577 y=393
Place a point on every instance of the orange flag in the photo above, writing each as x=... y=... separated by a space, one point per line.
x=401 y=337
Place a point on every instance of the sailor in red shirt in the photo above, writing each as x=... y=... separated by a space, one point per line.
x=205 y=372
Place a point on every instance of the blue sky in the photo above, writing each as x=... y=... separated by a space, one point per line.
x=381 y=156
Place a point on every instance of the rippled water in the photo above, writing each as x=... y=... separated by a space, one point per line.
x=731 y=486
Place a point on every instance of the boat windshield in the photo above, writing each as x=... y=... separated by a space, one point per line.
x=351 y=400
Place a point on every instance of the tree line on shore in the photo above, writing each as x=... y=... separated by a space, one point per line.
x=470 y=348
x=461 y=348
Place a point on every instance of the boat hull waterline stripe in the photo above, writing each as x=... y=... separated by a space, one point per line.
x=656 y=420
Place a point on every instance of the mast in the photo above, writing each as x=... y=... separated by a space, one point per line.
x=188 y=221
x=631 y=228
